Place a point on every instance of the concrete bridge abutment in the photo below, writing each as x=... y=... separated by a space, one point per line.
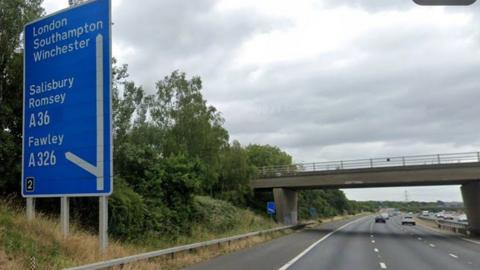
x=286 y=203
x=471 y=200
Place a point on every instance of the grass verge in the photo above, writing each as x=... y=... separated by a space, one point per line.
x=40 y=243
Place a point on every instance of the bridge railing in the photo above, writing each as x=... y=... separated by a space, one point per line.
x=288 y=170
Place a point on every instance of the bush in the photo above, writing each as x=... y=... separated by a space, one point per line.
x=127 y=211
x=216 y=215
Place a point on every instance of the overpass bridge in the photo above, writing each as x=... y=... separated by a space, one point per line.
x=421 y=170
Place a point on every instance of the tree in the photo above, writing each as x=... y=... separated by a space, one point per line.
x=191 y=126
x=14 y=14
x=235 y=175
x=267 y=155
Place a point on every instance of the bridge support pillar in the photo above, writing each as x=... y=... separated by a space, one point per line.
x=471 y=200
x=286 y=202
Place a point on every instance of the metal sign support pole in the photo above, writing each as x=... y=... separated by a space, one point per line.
x=103 y=222
x=30 y=208
x=65 y=215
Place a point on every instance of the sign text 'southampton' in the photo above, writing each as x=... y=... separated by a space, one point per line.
x=67 y=141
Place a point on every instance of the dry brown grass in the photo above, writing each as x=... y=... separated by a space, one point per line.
x=8 y=263
x=43 y=234
x=80 y=247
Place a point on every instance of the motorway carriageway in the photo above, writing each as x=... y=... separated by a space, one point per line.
x=356 y=244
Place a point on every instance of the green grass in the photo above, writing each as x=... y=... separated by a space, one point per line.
x=41 y=239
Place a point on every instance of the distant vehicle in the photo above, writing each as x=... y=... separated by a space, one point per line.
x=380 y=219
x=385 y=215
x=448 y=217
x=425 y=213
x=408 y=220
x=462 y=218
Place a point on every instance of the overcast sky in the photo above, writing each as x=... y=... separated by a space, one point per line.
x=323 y=80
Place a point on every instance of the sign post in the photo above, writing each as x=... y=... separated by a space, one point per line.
x=65 y=215
x=103 y=222
x=67 y=138
x=30 y=208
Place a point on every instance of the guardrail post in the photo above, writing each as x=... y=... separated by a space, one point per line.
x=438 y=158
x=371 y=163
x=341 y=164
x=314 y=169
x=478 y=156
x=403 y=161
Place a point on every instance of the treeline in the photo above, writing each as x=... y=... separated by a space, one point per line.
x=168 y=147
x=410 y=206
x=314 y=204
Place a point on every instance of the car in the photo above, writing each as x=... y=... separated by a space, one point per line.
x=462 y=218
x=380 y=219
x=440 y=215
x=408 y=220
x=448 y=217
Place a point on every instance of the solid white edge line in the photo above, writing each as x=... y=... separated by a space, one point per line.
x=383 y=265
x=292 y=261
x=470 y=240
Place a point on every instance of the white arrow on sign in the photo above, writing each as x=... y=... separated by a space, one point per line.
x=95 y=170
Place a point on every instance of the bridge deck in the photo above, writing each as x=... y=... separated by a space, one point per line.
x=444 y=169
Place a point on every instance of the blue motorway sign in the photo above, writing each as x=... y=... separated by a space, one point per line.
x=67 y=103
x=271 y=208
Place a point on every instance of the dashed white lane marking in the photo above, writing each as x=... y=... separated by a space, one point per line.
x=292 y=261
x=419 y=238
x=373 y=241
x=432 y=245
x=453 y=255
x=375 y=249
x=371 y=235
x=383 y=265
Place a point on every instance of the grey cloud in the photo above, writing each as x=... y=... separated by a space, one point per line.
x=189 y=35
x=405 y=87
x=371 y=5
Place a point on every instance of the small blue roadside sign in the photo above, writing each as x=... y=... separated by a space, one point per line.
x=67 y=138
x=271 y=208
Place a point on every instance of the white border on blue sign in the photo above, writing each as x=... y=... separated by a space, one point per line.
x=111 y=130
